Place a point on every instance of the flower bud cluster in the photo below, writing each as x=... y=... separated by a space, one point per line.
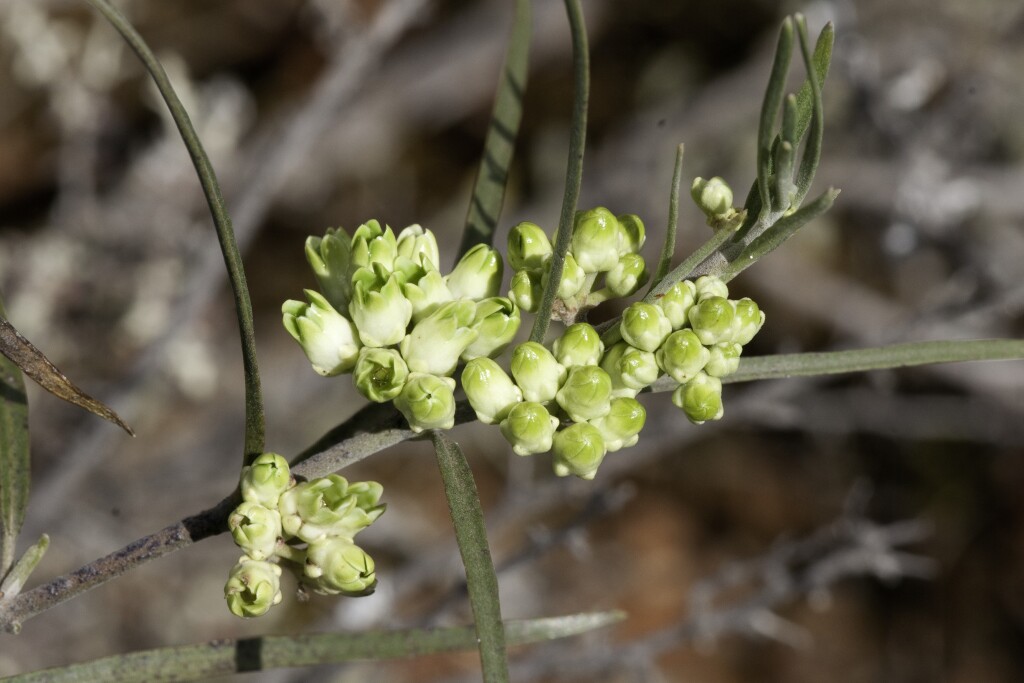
x=387 y=315
x=309 y=525
x=601 y=244
x=558 y=399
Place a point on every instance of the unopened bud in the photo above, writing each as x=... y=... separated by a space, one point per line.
x=578 y=449
x=645 y=326
x=700 y=398
x=529 y=428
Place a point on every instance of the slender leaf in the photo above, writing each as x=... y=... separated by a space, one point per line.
x=228 y=656
x=574 y=167
x=668 y=251
x=471 y=534
x=14 y=457
x=492 y=176
x=689 y=264
x=812 y=150
x=254 y=420
x=22 y=353
x=769 y=109
x=23 y=568
x=821 y=59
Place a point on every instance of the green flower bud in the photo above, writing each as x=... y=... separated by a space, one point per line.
x=708 y=286
x=579 y=449
x=490 y=391
x=337 y=565
x=328 y=338
x=748 y=320
x=644 y=326
x=595 y=240
x=414 y=244
x=380 y=374
x=526 y=290
x=621 y=426
x=437 y=341
x=477 y=275
x=329 y=258
x=496 y=322
x=586 y=393
x=724 y=359
x=372 y=244
x=537 y=372
x=611 y=363
x=580 y=344
x=529 y=428
x=632 y=235
x=255 y=529
x=426 y=293
x=711 y=320
x=637 y=368
x=265 y=479
x=573 y=278
x=328 y=506
x=379 y=310
x=713 y=197
x=700 y=398
x=428 y=402
x=677 y=301
x=253 y=587
x=682 y=355
x=628 y=275
x=528 y=247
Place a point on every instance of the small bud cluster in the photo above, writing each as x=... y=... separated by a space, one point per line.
x=714 y=198
x=391 y=319
x=601 y=244
x=309 y=525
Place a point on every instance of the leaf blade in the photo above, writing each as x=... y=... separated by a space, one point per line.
x=14 y=458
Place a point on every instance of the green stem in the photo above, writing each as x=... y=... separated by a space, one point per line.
x=574 y=167
x=669 y=249
x=254 y=420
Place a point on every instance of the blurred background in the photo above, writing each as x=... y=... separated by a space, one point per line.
x=854 y=528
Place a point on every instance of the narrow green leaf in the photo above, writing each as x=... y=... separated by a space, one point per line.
x=812 y=150
x=492 y=176
x=778 y=233
x=23 y=354
x=471 y=534
x=574 y=167
x=769 y=109
x=668 y=251
x=14 y=458
x=254 y=420
x=228 y=656
x=23 y=568
x=821 y=59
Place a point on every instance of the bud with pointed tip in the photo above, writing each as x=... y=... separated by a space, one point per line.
x=682 y=355
x=328 y=256
x=700 y=398
x=586 y=393
x=496 y=322
x=677 y=301
x=265 y=479
x=379 y=310
x=255 y=529
x=477 y=275
x=713 y=197
x=437 y=341
x=490 y=391
x=380 y=373
x=426 y=293
x=528 y=247
x=339 y=566
x=708 y=286
x=621 y=426
x=748 y=320
x=580 y=344
x=253 y=587
x=595 y=240
x=578 y=449
x=372 y=244
x=632 y=235
x=328 y=338
x=645 y=326
x=711 y=320
x=638 y=368
x=428 y=402
x=537 y=372
x=526 y=290
x=529 y=428
x=414 y=243
x=724 y=359
x=628 y=275
x=329 y=506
